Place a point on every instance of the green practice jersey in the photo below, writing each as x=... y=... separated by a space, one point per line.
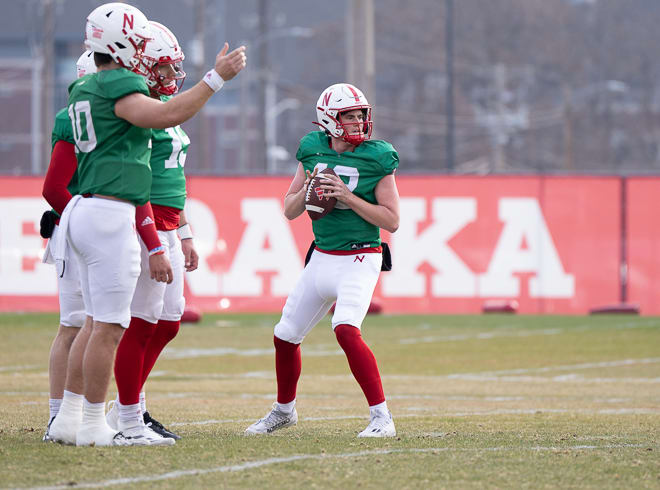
x=361 y=170
x=168 y=156
x=62 y=132
x=113 y=155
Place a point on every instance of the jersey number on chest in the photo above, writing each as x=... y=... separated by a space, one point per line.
x=179 y=140
x=343 y=171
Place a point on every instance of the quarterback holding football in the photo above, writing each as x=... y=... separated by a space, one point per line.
x=347 y=255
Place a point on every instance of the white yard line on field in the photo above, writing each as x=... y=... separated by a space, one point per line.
x=20 y=368
x=569 y=367
x=571 y=378
x=300 y=457
x=481 y=336
x=174 y=353
x=439 y=414
x=504 y=332
x=24 y=393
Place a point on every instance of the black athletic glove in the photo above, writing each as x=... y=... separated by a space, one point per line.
x=47 y=224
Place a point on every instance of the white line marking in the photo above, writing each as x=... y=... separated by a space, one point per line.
x=20 y=368
x=570 y=367
x=576 y=379
x=179 y=375
x=520 y=333
x=288 y=459
x=174 y=353
x=480 y=336
x=24 y=393
x=483 y=376
x=439 y=414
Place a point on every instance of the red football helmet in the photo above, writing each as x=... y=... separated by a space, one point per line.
x=340 y=98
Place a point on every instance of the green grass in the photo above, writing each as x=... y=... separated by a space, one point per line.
x=478 y=401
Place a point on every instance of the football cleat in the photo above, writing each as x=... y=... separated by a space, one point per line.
x=63 y=429
x=158 y=428
x=95 y=435
x=380 y=425
x=46 y=437
x=141 y=436
x=274 y=420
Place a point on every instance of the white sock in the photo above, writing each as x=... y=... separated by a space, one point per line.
x=54 y=405
x=286 y=407
x=72 y=405
x=129 y=416
x=93 y=413
x=143 y=402
x=380 y=408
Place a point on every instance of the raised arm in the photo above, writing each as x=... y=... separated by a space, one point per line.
x=145 y=112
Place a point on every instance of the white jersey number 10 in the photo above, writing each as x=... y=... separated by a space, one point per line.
x=80 y=108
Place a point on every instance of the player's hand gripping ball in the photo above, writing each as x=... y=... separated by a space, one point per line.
x=316 y=204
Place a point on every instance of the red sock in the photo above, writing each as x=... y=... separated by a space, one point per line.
x=362 y=362
x=288 y=365
x=165 y=331
x=130 y=358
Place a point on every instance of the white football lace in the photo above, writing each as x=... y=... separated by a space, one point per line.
x=309 y=190
x=275 y=418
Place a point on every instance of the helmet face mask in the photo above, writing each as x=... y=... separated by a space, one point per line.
x=119 y=30
x=168 y=84
x=162 y=50
x=339 y=99
x=358 y=131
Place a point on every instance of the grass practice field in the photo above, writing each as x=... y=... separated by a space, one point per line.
x=478 y=402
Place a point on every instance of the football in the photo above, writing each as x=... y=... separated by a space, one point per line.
x=316 y=204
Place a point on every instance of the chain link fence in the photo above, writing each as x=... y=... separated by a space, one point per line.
x=539 y=86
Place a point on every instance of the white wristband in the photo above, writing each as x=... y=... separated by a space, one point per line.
x=184 y=232
x=213 y=80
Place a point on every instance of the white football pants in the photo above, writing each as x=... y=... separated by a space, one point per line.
x=347 y=279
x=72 y=307
x=154 y=300
x=102 y=235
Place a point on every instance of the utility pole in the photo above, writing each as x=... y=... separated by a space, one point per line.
x=264 y=71
x=449 y=66
x=244 y=83
x=204 y=162
x=48 y=53
x=568 y=129
x=360 y=57
x=500 y=123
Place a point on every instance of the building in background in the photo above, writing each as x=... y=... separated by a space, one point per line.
x=538 y=85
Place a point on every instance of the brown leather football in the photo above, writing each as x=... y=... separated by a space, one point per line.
x=316 y=204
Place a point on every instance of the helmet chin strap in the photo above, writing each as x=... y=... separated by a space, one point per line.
x=354 y=139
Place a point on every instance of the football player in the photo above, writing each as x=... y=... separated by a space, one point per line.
x=347 y=256
x=157 y=307
x=111 y=115
x=60 y=184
